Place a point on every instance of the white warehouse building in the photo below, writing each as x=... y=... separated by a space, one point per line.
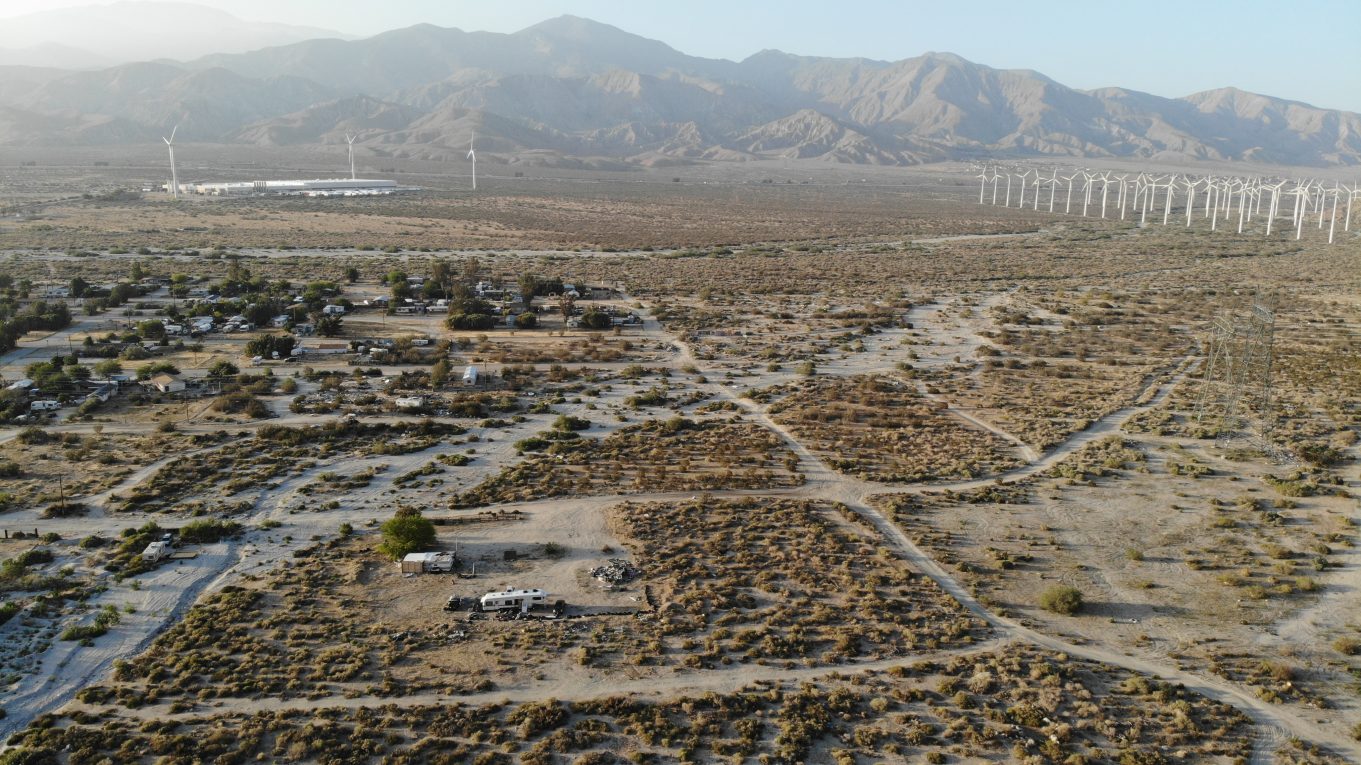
x=314 y=188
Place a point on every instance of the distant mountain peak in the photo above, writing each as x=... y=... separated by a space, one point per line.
x=573 y=90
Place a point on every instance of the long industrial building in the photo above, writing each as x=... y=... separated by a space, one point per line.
x=334 y=187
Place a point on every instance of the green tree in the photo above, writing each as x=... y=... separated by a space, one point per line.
x=439 y=374
x=529 y=287
x=406 y=532
x=79 y=287
x=328 y=325
x=472 y=268
x=108 y=367
x=151 y=329
x=351 y=274
x=268 y=345
x=594 y=319
x=526 y=320
x=223 y=368
x=567 y=304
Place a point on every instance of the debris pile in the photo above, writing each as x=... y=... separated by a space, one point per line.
x=616 y=571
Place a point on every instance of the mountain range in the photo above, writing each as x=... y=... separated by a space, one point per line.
x=570 y=90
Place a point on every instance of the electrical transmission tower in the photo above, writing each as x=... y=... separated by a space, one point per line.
x=1235 y=395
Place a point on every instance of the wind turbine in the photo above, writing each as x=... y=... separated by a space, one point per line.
x=472 y=155
x=1351 y=200
x=1275 y=205
x=174 y=176
x=1105 y=185
x=1021 y=205
x=1008 y=190
x=1301 y=191
x=1120 y=197
x=349 y=139
x=982 y=183
x=996 y=176
x=1167 y=203
x=1054 y=187
x=1190 y=198
x=1068 y=208
x=1332 y=226
x=1038 y=181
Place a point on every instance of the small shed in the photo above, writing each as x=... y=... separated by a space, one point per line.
x=427 y=563
x=470 y=376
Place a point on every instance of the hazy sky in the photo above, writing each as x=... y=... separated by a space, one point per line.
x=1308 y=50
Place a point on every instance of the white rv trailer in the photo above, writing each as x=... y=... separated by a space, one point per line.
x=508 y=600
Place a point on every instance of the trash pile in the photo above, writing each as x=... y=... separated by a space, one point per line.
x=616 y=571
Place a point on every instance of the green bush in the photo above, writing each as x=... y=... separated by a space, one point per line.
x=593 y=319
x=1061 y=599
x=406 y=532
x=470 y=321
x=526 y=320
x=209 y=531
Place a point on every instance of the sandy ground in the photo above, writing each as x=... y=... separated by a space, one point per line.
x=577 y=524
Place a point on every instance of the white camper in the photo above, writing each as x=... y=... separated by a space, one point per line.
x=513 y=600
x=155 y=551
x=470 y=376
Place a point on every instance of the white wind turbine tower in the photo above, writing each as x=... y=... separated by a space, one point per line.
x=174 y=176
x=1242 y=203
x=1021 y=204
x=1190 y=197
x=1332 y=226
x=1167 y=203
x=1068 y=208
x=472 y=155
x=349 y=139
x=1008 y=204
x=1054 y=187
x=996 y=176
x=1038 y=182
x=1301 y=191
x=1105 y=186
x=1087 y=185
x=1274 y=206
x=1351 y=200
x=1150 y=188
x=1120 y=195
x=982 y=184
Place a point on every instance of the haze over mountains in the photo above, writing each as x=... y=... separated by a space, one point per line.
x=572 y=91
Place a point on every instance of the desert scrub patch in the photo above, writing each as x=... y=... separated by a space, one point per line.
x=677 y=454
x=274 y=452
x=881 y=429
x=988 y=701
x=775 y=580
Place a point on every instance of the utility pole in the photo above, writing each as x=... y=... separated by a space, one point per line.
x=1235 y=390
